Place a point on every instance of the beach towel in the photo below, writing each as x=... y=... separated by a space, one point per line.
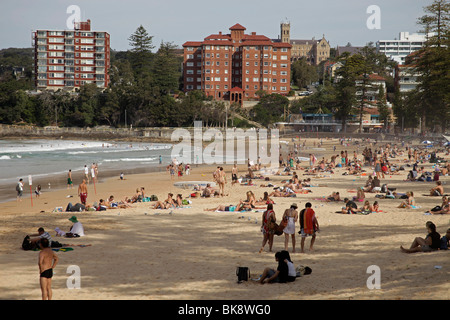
x=63 y=249
x=308 y=221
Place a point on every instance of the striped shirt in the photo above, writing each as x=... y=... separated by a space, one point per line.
x=47 y=236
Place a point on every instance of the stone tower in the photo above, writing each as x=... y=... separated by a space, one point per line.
x=285 y=32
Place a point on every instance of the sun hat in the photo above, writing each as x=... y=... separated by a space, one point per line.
x=294 y=205
x=73 y=219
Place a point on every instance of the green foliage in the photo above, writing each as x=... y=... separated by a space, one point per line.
x=430 y=100
x=303 y=74
x=270 y=109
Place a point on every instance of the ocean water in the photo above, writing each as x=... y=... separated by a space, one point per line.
x=48 y=161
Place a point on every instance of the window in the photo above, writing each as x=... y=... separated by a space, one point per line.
x=189 y=71
x=283 y=57
x=284 y=50
x=189 y=64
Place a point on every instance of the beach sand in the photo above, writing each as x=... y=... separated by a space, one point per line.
x=192 y=254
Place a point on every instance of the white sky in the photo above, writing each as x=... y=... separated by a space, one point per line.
x=178 y=21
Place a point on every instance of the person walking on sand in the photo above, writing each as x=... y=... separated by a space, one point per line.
x=268 y=218
x=308 y=225
x=19 y=189
x=82 y=192
x=86 y=174
x=234 y=175
x=291 y=216
x=47 y=262
x=221 y=180
x=69 y=179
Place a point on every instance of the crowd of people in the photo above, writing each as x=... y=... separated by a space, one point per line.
x=293 y=222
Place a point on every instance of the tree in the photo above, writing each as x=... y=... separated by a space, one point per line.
x=270 y=109
x=432 y=63
x=166 y=68
x=346 y=88
x=382 y=106
x=302 y=73
x=140 y=54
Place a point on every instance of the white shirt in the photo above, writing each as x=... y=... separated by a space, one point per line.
x=291 y=269
x=78 y=229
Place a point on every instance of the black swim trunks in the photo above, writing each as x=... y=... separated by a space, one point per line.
x=234 y=177
x=47 y=273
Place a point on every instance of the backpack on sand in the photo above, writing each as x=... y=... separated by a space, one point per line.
x=243 y=274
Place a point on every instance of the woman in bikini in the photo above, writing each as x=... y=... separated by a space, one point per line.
x=410 y=203
x=166 y=204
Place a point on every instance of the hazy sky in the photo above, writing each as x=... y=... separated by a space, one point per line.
x=178 y=21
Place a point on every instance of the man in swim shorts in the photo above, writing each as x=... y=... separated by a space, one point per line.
x=47 y=262
x=82 y=192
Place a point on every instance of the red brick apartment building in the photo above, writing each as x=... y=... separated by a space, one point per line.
x=235 y=66
x=67 y=59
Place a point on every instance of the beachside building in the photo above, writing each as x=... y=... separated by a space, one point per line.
x=407 y=43
x=314 y=51
x=235 y=66
x=406 y=77
x=68 y=59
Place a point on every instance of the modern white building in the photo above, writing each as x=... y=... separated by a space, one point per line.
x=407 y=43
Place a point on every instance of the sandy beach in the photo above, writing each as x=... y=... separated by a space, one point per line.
x=192 y=254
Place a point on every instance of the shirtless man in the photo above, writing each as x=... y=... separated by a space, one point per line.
x=82 y=192
x=69 y=179
x=47 y=262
